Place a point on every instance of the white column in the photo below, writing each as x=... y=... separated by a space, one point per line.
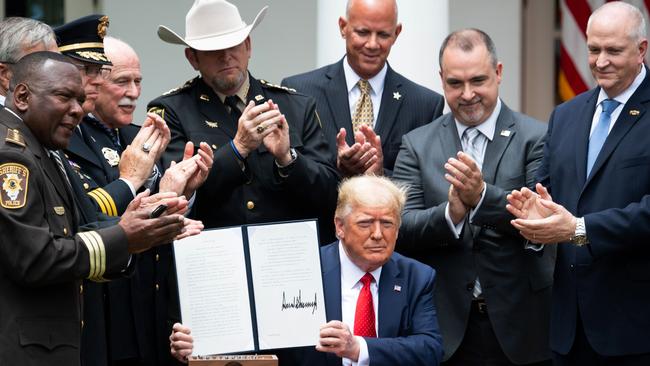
x=501 y=20
x=425 y=23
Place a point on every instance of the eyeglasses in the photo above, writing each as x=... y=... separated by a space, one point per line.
x=93 y=70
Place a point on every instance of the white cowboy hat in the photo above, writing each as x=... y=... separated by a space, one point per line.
x=212 y=25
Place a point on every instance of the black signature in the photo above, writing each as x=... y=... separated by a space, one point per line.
x=298 y=304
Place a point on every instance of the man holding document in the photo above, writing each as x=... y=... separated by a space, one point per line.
x=379 y=304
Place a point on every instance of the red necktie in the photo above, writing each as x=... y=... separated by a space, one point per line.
x=364 y=316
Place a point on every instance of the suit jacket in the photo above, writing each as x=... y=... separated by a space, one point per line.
x=405 y=106
x=43 y=257
x=408 y=328
x=252 y=191
x=606 y=282
x=126 y=318
x=516 y=282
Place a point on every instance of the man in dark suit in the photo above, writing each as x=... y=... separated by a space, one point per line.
x=270 y=156
x=596 y=169
x=43 y=252
x=494 y=294
x=370 y=29
x=379 y=304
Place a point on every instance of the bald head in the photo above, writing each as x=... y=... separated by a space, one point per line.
x=118 y=95
x=620 y=14
x=115 y=48
x=389 y=6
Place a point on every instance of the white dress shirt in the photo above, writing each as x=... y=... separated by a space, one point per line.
x=350 y=288
x=486 y=128
x=621 y=98
x=376 y=85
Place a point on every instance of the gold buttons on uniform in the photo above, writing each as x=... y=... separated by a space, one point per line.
x=157 y=257
x=81 y=289
x=250 y=205
x=65 y=231
x=214 y=147
x=157 y=287
x=86 y=185
x=82 y=323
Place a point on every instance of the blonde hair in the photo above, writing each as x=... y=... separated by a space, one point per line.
x=370 y=191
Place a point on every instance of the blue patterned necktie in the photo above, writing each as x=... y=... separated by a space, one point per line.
x=111 y=133
x=598 y=137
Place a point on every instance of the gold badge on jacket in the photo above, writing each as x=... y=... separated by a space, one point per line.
x=15 y=179
x=111 y=156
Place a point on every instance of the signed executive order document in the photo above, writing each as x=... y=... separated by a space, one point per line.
x=251 y=288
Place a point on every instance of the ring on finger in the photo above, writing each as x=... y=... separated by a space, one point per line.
x=146 y=147
x=260 y=129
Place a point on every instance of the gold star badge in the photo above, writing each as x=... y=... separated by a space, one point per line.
x=634 y=112
x=397 y=95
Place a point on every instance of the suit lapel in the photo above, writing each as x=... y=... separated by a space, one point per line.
x=332 y=279
x=214 y=112
x=583 y=127
x=495 y=148
x=80 y=149
x=390 y=104
x=449 y=140
x=336 y=92
x=391 y=300
x=632 y=111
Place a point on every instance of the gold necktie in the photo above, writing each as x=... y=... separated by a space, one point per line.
x=363 y=110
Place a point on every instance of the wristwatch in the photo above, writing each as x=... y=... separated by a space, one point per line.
x=579 y=238
x=284 y=171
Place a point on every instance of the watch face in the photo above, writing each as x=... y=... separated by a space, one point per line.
x=580 y=240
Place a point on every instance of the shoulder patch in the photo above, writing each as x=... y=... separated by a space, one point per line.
x=157 y=110
x=14 y=137
x=275 y=86
x=15 y=181
x=182 y=87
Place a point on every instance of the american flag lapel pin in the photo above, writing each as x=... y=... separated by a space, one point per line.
x=397 y=288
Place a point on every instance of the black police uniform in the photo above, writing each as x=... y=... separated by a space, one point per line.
x=120 y=323
x=136 y=324
x=253 y=190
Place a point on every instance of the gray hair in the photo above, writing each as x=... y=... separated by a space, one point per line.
x=637 y=30
x=18 y=34
x=466 y=39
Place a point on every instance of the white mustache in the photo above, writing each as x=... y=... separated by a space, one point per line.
x=127 y=102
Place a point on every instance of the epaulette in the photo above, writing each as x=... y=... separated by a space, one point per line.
x=187 y=84
x=275 y=86
x=14 y=137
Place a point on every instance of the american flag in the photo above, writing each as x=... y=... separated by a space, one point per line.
x=574 y=76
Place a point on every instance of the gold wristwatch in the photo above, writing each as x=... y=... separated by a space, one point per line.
x=579 y=238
